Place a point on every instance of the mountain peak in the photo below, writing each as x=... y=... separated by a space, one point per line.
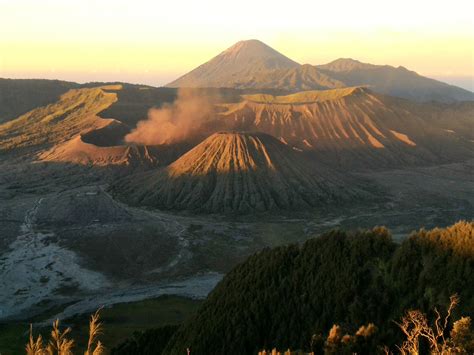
x=257 y=51
x=242 y=61
x=345 y=64
x=257 y=48
x=248 y=43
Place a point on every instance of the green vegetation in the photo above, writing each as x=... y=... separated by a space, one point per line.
x=280 y=298
x=18 y=96
x=120 y=322
x=151 y=341
x=13 y=337
x=437 y=337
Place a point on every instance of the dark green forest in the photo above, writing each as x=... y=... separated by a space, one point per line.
x=289 y=296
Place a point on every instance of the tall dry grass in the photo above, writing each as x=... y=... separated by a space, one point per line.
x=34 y=346
x=60 y=343
x=94 y=346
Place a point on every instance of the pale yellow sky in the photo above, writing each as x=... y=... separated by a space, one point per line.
x=153 y=42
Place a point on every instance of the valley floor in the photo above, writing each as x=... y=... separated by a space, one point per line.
x=66 y=242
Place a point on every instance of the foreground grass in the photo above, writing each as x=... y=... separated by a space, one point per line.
x=120 y=321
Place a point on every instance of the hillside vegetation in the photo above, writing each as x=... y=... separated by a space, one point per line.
x=279 y=298
x=75 y=112
x=18 y=96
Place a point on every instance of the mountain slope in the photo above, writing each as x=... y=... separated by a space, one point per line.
x=104 y=147
x=235 y=66
x=81 y=150
x=303 y=77
x=237 y=172
x=18 y=96
x=76 y=111
x=254 y=65
x=351 y=126
x=71 y=130
x=389 y=80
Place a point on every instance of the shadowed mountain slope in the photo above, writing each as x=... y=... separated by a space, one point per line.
x=73 y=130
x=237 y=172
x=18 y=96
x=75 y=112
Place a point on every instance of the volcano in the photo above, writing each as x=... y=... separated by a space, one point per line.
x=236 y=66
x=350 y=127
x=77 y=151
x=251 y=65
x=102 y=147
x=238 y=172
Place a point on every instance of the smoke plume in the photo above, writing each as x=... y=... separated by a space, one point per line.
x=175 y=122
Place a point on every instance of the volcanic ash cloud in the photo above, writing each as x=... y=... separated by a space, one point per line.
x=175 y=122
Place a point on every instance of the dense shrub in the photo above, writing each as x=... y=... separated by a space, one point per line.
x=281 y=297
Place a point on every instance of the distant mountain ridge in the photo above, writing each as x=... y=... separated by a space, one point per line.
x=254 y=65
x=345 y=127
x=345 y=64
x=394 y=81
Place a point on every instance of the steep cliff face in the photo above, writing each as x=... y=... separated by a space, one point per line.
x=375 y=129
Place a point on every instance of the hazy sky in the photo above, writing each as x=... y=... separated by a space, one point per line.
x=153 y=42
